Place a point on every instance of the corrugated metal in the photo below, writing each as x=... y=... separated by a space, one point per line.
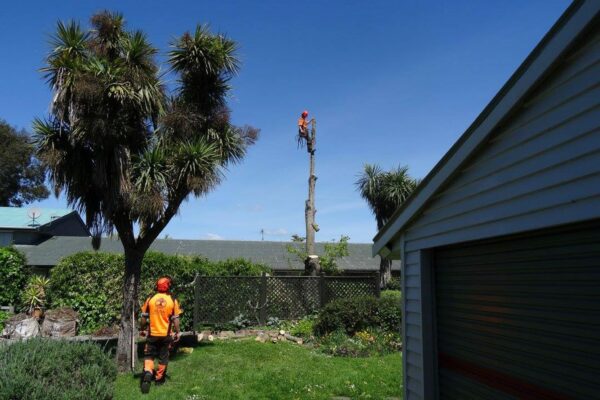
x=526 y=309
x=545 y=160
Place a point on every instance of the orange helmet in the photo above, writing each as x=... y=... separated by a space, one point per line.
x=304 y=114
x=163 y=284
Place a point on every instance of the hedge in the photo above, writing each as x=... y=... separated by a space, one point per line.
x=91 y=283
x=46 y=369
x=13 y=275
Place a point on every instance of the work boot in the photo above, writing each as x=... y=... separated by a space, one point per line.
x=146 y=381
x=161 y=374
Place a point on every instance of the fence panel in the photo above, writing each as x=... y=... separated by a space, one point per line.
x=220 y=299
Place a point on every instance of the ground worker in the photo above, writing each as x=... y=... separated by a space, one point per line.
x=162 y=311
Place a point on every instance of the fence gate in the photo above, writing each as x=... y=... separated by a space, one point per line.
x=219 y=299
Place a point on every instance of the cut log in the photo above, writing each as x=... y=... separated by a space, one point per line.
x=293 y=338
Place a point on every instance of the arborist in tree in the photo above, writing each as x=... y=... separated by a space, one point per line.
x=163 y=311
x=303 y=132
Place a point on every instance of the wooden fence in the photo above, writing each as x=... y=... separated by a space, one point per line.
x=219 y=299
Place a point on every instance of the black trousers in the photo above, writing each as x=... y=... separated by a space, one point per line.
x=158 y=346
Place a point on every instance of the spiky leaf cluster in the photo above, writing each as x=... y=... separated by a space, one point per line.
x=385 y=191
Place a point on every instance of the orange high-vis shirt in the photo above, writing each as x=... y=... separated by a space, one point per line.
x=302 y=122
x=160 y=308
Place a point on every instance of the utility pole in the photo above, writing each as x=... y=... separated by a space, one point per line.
x=311 y=264
x=262 y=234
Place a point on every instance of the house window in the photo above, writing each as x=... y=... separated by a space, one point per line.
x=6 y=239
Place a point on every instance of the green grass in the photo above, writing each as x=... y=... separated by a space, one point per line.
x=250 y=370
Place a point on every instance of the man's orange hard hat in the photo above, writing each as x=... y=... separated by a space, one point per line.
x=304 y=114
x=163 y=284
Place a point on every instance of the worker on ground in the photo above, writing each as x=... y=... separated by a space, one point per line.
x=163 y=312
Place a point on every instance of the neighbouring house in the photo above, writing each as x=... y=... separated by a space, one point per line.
x=29 y=226
x=500 y=244
x=57 y=233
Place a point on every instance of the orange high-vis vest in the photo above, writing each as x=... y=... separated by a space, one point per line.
x=161 y=309
x=302 y=122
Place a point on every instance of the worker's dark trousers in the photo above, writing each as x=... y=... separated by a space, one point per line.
x=157 y=346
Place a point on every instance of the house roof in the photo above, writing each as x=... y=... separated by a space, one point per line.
x=540 y=62
x=273 y=254
x=18 y=218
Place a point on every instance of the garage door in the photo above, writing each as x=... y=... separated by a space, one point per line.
x=519 y=318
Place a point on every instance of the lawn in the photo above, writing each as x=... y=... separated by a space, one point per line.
x=251 y=370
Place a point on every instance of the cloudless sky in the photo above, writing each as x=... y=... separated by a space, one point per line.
x=389 y=82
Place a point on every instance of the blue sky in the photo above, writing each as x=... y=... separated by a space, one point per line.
x=389 y=82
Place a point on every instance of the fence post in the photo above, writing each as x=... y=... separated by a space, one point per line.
x=196 y=301
x=263 y=299
x=377 y=284
x=322 y=291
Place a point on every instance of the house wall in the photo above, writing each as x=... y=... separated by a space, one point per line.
x=541 y=168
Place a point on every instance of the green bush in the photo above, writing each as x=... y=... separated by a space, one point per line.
x=362 y=344
x=393 y=294
x=55 y=370
x=13 y=275
x=91 y=283
x=304 y=327
x=393 y=284
x=3 y=317
x=352 y=315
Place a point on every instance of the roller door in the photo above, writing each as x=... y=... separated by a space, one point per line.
x=519 y=318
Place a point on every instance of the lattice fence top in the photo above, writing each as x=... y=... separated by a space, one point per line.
x=222 y=298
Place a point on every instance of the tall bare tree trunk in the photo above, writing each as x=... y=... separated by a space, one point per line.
x=311 y=264
x=385 y=272
x=126 y=347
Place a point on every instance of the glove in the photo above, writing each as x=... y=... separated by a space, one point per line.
x=143 y=333
x=176 y=337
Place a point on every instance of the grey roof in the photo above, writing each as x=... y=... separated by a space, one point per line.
x=536 y=66
x=273 y=254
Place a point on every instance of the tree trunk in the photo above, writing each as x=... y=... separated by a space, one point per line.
x=126 y=347
x=385 y=272
x=311 y=264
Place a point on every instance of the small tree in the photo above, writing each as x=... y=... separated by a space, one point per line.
x=123 y=149
x=21 y=175
x=333 y=251
x=384 y=192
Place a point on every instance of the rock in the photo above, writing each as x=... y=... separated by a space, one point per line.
x=226 y=334
x=261 y=337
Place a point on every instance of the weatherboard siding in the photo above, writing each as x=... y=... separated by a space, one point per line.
x=540 y=168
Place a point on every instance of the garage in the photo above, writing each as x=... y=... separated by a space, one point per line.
x=499 y=245
x=520 y=317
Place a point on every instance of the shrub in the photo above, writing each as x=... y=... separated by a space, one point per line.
x=3 y=317
x=362 y=344
x=304 y=328
x=13 y=275
x=91 y=283
x=359 y=313
x=393 y=284
x=53 y=370
x=390 y=314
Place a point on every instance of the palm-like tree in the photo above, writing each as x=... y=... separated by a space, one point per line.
x=384 y=192
x=125 y=151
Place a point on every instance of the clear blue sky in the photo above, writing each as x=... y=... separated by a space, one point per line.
x=389 y=82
